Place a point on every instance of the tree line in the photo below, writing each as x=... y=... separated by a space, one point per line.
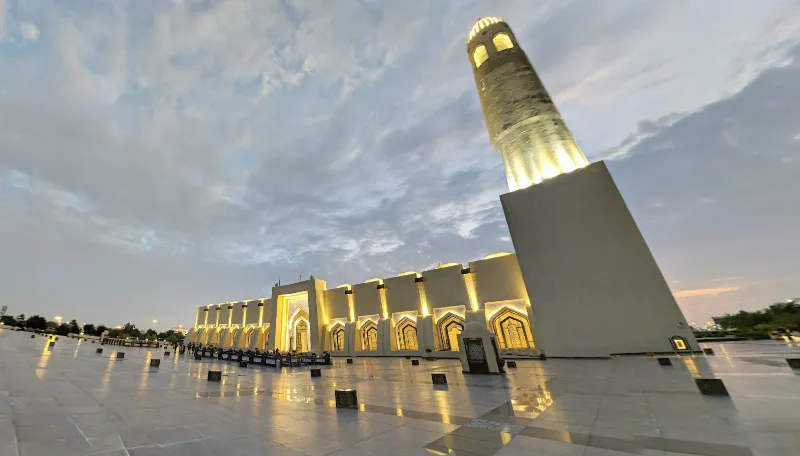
x=127 y=331
x=779 y=317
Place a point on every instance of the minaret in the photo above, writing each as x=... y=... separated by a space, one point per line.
x=523 y=123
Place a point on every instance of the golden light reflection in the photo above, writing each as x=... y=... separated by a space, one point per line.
x=398 y=411
x=473 y=295
x=423 y=299
x=506 y=437
x=384 y=307
x=692 y=366
x=351 y=307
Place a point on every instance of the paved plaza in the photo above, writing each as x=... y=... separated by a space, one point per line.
x=72 y=401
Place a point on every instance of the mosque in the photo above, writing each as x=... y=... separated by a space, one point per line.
x=582 y=283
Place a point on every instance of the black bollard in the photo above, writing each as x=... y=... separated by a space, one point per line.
x=415 y=362
x=166 y=353
x=665 y=361
x=155 y=362
x=794 y=363
x=120 y=355
x=214 y=376
x=349 y=360
x=711 y=386
x=316 y=373
x=511 y=364
x=99 y=350
x=708 y=351
x=346 y=399
x=438 y=378
x=242 y=363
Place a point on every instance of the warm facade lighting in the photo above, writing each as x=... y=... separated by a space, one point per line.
x=482 y=24
x=524 y=124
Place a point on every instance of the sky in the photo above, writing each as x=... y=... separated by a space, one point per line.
x=160 y=155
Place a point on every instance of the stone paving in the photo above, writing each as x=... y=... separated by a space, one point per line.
x=71 y=401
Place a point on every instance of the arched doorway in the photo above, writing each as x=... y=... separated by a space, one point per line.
x=449 y=327
x=407 y=334
x=301 y=336
x=369 y=336
x=512 y=329
x=230 y=338
x=215 y=338
x=337 y=337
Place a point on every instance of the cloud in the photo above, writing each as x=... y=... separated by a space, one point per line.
x=155 y=156
x=29 y=30
x=705 y=292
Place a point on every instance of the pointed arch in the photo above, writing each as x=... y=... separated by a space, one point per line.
x=406 y=332
x=230 y=337
x=215 y=336
x=369 y=336
x=449 y=327
x=337 y=337
x=512 y=328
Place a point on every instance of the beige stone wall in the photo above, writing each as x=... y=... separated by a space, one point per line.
x=336 y=303
x=402 y=294
x=445 y=287
x=498 y=279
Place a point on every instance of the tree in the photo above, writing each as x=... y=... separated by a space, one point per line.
x=20 y=319
x=36 y=322
x=63 y=329
x=89 y=329
x=8 y=320
x=73 y=327
x=100 y=330
x=52 y=325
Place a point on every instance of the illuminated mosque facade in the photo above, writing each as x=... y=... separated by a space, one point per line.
x=582 y=283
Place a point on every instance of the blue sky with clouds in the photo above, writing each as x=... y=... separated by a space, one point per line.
x=159 y=155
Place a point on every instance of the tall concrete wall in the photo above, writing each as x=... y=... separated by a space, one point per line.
x=593 y=283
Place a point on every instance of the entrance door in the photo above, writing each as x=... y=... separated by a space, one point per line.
x=476 y=356
x=301 y=336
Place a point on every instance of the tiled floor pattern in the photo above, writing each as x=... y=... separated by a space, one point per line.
x=70 y=400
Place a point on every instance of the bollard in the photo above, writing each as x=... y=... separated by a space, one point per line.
x=214 y=376
x=794 y=363
x=438 y=378
x=155 y=362
x=665 y=361
x=51 y=344
x=120 y=355
x=511 y=364
x=408 y=357
x=708 y=351
x=346 y=399
x=543 y=357
x=349 y=360
x=198 y=356
x=92 y=341
x=242 y=363
x=33 y=336
x=711 y=386
x=415 y=362
x=99 y=350
x=316 y=373
x=166 y=353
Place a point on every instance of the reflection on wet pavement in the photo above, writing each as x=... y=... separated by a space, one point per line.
x=69 y=400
